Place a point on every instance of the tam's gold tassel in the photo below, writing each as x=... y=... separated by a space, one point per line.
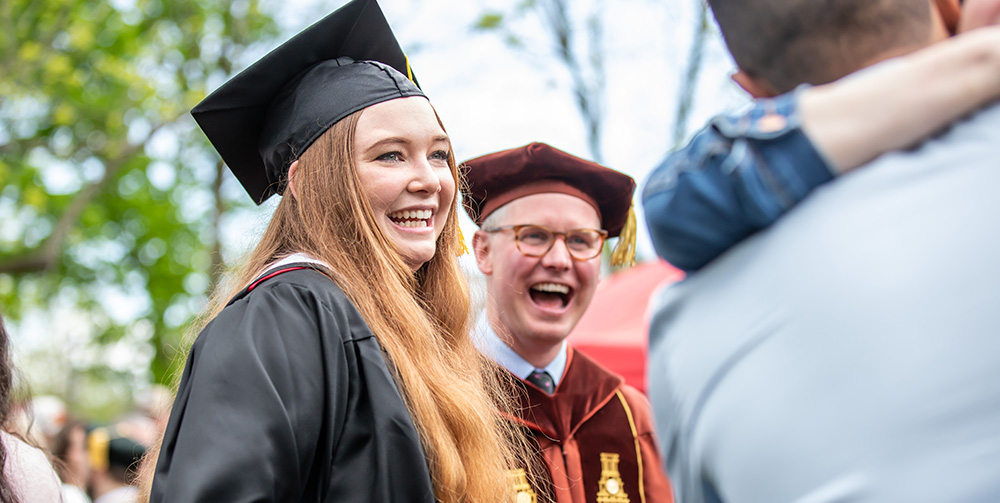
x=462 y=247
x=624 y=253
x=97 y=447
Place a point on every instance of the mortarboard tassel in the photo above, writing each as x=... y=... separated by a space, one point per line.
x=624 y=253
x=97 y=447
x=409 y=71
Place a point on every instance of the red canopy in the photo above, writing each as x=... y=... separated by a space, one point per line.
x=614 y=329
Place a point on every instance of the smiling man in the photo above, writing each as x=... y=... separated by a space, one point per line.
x=544 y=216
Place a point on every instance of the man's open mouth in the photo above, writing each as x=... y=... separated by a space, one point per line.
x=550 y=295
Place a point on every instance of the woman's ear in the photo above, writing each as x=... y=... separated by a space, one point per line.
x=949 y=10
x=757 y=87
x=291 y=178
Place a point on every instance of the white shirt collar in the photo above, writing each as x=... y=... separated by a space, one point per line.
x=490 y=344
x=296 y=258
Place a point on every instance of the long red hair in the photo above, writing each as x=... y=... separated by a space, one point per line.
x=421 y=319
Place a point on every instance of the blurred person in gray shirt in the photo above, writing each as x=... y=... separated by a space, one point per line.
x=850 y=352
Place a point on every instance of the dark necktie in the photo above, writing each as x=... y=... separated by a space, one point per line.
x=543 y=380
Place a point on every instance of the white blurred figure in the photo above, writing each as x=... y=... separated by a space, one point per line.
x=27 y=476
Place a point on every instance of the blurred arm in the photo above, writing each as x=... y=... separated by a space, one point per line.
x=896 y=104
x=745 y=170
x=737 y=176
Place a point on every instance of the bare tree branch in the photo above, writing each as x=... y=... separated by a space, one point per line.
x=588 y=87
x=690 y=85
x=215 y=274
x=597 y=84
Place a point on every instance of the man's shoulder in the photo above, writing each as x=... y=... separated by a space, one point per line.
x=967 y=143
x=989 y=115
x=981 y=129
x=582 y=366
x=587 y=381
x=640 y=410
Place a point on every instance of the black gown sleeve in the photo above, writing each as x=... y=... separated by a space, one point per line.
x=262 y=385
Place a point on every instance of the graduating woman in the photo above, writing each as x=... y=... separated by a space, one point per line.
x=341 y=370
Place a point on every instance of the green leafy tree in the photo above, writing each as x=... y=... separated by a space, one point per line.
x=110 y=203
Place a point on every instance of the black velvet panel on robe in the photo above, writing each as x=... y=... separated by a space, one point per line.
x=286 y=397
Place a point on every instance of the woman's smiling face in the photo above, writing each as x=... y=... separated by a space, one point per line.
x=401 y=153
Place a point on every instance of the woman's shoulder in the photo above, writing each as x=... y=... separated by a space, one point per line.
x=29 y=471
x=298 y=316
x=295 y=298
x=294 y=283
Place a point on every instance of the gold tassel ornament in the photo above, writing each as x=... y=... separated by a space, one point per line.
x=624 y=253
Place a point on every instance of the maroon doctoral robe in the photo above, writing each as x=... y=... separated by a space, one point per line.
x=595 y=439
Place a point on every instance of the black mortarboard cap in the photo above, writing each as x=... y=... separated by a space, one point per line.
x=264 y=118
x=108 y=448
x=124 y=452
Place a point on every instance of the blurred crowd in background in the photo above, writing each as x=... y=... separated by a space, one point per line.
x=96 y=461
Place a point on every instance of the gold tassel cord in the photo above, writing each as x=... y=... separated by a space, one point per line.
x=624 y=253
x=97 y=447
x=462 y=247
x=635 y=439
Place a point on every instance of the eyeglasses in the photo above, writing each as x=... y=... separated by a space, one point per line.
x=536 y=241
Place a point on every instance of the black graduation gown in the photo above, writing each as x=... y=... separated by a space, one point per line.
x=286 y=397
